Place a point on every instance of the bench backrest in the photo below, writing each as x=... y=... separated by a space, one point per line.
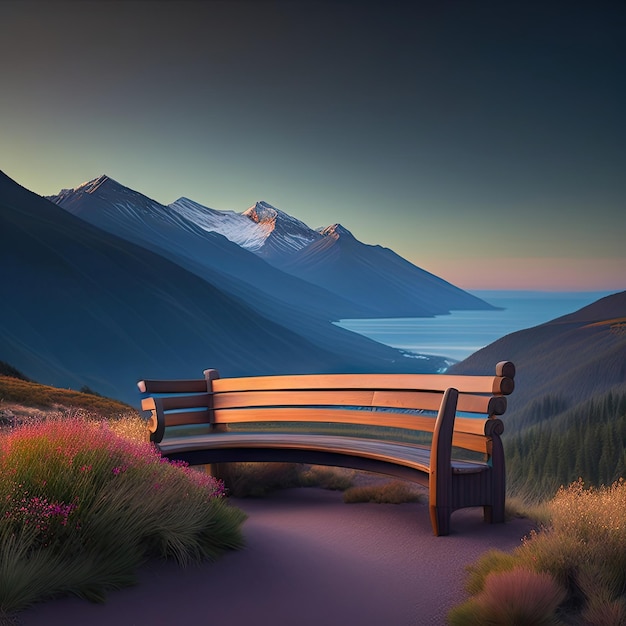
x=402 y=401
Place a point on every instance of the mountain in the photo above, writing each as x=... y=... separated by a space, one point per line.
x=290 y=301
x=377 y=277
x=373 y=278
x=276 y=264
x=562 y=363
x=83 y=307
x=232 y=267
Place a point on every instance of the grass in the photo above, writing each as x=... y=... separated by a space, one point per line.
x=392 y=492
x=83 y=503
x=581 y=554
x=255 y=480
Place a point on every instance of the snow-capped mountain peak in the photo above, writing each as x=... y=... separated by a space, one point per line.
x=234 y=226
x=262 y=229
x=284 y=234
x=262 y=212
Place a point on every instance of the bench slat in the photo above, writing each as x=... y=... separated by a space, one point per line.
x=196 y=385
x=181 y=418
x=292 y=398
x=435 y=382
x=425 y=400
x=325 y=415
x=468 y=441
x=472 y=425
x=198 y=400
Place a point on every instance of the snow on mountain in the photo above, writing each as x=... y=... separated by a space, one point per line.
x=284 y=234
x=335 y=231
x=234 y=226
x=262 y=229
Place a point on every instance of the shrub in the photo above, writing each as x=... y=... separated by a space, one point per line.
x=6 y=369
x=82 y=507
x=259 y=479
x=393 y=492
x=332 y=478
x=493 y=561
x=253 y=480
x=582 y=547
x=519 y=596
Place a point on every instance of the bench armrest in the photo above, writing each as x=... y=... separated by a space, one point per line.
x=440 y=477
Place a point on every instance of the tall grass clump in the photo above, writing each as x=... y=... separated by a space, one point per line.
x=582 y=548
x=82 y=507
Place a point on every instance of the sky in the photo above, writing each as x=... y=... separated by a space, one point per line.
x=483 y=141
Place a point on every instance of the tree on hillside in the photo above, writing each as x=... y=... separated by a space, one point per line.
x=8 y=370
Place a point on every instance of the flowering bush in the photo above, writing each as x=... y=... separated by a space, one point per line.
x=48 y=520
x=82 y=507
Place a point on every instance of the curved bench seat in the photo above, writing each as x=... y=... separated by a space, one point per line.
x=217 y=420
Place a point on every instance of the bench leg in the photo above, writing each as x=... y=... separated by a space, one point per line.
x=493 y=514
x=220 y=471
x=440 y=520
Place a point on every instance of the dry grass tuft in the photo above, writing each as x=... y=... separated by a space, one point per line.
x=519 y=596
x=602 y=612
x=516 y=507
x=254 y=480
x=392 y=492
x=582 y=547
x=332 y=478
x=259 y=479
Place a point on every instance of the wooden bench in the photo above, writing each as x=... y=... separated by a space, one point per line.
x=457 y=452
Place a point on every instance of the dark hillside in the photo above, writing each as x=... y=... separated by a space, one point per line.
x=567 y=415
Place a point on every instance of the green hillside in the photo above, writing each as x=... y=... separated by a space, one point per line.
x=587 y=441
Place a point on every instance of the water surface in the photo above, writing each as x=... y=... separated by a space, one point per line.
x=462 y=333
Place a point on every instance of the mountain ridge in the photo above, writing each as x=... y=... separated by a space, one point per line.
x=88 y=308
x=570 y=359
x=375 y=280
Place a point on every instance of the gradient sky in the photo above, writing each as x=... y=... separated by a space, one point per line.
x=483 y=141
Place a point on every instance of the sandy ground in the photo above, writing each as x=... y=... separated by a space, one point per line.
x=310 y=560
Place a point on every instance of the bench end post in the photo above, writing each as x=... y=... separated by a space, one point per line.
x=440 y=478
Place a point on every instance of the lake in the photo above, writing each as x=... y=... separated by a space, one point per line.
x=462 y=333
